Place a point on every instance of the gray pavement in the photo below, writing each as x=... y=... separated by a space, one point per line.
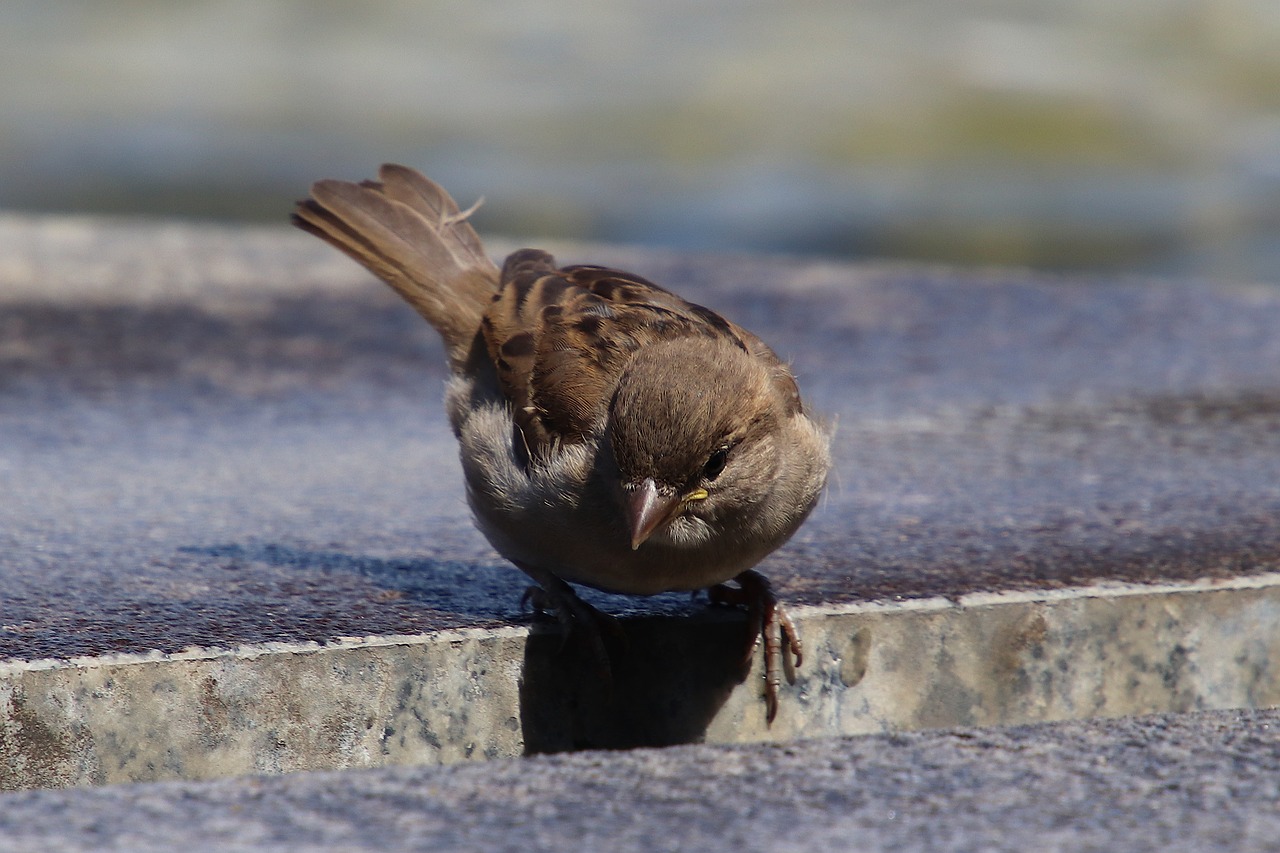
x=213 y=437
x=1167 y=783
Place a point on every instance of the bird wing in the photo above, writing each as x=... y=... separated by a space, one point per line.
x=560 y=338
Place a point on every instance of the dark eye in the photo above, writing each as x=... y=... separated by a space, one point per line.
x=715 y=463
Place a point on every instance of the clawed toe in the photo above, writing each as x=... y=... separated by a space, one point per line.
x=767 y=619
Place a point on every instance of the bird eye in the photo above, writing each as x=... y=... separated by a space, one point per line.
x=715 y=463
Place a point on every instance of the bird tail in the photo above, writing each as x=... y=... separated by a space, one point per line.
x=406 y=230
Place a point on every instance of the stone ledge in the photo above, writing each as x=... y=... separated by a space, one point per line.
x=986 y=659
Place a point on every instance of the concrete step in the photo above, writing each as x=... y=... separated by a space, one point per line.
x=447 y=696
x=234 y=538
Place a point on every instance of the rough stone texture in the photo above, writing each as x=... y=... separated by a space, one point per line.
x=1168 y=783
x=438 y=700
x=455 y=696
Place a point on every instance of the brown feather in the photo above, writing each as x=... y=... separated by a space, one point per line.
x=406 y=230
x=560 y=338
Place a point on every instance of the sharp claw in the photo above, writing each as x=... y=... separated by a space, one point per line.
x=791 y=633
x=769 y=621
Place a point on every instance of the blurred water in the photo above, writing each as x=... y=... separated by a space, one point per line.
x=1141 y=136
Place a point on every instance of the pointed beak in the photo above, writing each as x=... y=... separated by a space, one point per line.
x=647 y=510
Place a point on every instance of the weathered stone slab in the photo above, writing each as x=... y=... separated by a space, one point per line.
x=986 y=659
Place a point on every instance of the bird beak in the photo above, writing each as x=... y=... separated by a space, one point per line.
x=647 y=510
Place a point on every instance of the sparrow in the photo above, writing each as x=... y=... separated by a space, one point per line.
x=611 y=434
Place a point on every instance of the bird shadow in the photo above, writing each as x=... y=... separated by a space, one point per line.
x=668 y=677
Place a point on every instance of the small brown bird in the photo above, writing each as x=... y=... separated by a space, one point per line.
x=612 y=434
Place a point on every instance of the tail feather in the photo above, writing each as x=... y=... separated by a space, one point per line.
x=430 y=199
x=406 y=230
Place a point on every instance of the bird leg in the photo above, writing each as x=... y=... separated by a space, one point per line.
x=575 y=617
x=767 y=619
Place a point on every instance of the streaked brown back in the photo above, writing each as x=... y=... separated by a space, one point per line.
x=561 y=337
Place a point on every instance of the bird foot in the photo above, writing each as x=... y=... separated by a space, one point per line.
x=595 y=630
x=767 y=619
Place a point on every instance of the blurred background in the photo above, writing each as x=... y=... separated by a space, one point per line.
x=1140 y=136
